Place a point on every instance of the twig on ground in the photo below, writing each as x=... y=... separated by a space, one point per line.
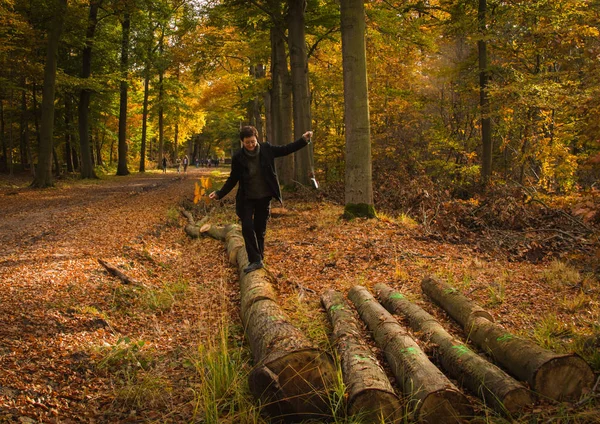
x=120 y=275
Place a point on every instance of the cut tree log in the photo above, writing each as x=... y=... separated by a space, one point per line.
x=435 y=399
x=193 y=228
x=461 y=308
x=291 y=377
x=555 y=376
x=483 y=378
x=370 y=392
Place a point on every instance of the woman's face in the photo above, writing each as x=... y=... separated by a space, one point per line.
x=250 y=143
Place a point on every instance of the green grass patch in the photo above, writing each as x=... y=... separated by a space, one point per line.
x=173 y=217
x=551 y=334
x=163 y=298
x=222 y=394
x=126 y=357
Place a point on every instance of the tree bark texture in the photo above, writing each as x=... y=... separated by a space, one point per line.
x=555 y=376
x=370 y=392
x=87 y=167
x=458 y=306
x=281 y=98
x=484 y=379
x=433 y=397
x=300 y=87
x=484 y=100
x=358 y=179
x=291 y=377
x=122 y=160
x=43 y=176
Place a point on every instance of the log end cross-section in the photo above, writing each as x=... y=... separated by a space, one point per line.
x=564 y=377
x=294 y=386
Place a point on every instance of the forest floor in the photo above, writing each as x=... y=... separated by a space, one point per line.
x=79 y=345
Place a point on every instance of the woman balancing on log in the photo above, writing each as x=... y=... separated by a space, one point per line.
x=253 y=167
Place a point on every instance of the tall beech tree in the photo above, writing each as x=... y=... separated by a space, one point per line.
x=300 y=88
x=87 y=168
x=281 y=92
x=484 y=99
x=43 y=176
x=359 y=188
x=123 y=94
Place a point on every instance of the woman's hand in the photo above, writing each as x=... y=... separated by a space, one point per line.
x=307 y=135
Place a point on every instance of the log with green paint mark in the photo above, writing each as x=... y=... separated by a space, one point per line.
x=437 y=400
x=370 y=392
x=555 y=376
x=481 y=377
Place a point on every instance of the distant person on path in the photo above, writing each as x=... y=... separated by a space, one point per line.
x=253 y=167
x=185 y=163
x=197 y=163
x=164 y=164
x=178 y=165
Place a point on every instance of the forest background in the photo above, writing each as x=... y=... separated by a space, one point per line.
x=139 y=80
x=483 y=114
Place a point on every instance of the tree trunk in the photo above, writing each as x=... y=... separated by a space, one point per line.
x=281 y=103
x=145 y=116
x=484 y=101
x=300 y=88
x=87 y=166
x=24 y=124
x=98 y=145
x=369 y=390
x=436 y=399
x=43 y=177
x=3 y=141
x=291 y=377
x=122 y=149
x=484 y=379
x=358 y=184
x=556 y=376
x=10 y=134
x=259 y=75
x=25 y=128
x=68 y=134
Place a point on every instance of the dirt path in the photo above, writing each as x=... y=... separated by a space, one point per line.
x=60 y=313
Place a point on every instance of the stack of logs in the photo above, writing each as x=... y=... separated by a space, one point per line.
x=294 y=379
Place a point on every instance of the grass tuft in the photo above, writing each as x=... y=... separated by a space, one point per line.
x=222 y=395
x=173 y=217
x=560 y=275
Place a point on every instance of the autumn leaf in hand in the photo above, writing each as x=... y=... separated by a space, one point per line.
x=201 y=190
x=197 y=193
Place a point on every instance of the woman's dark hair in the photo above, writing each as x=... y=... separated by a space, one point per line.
x=248 y=131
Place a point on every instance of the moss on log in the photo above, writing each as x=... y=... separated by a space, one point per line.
x=484 y=379
x=435 y=398
x=291 y=377
x=370 y=392
x=555 y=376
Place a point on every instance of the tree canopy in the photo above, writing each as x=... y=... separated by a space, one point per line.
x=204 y=68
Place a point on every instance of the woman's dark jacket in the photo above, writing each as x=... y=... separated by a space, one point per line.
x=267 y=154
